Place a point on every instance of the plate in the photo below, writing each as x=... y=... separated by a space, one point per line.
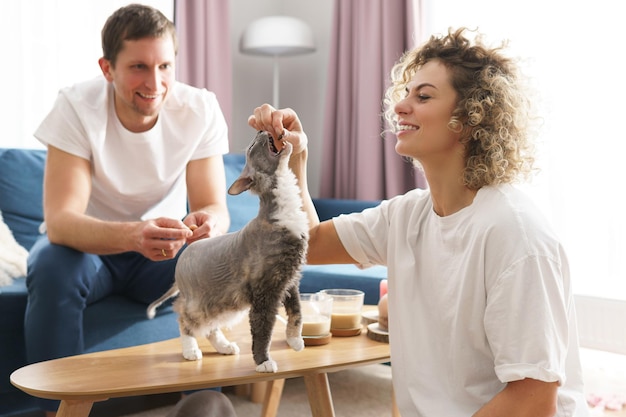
x=369 y=317
x=375 y=332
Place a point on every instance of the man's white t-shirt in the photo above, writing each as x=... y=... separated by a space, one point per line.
x=476 y=299
x=136 y=176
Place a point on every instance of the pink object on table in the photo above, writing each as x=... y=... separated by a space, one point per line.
x=383 y=287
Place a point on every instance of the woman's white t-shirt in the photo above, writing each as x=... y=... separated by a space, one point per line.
x=476 y=299
x=136 y=176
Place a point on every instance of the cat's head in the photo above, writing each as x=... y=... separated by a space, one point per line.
x=263 y=160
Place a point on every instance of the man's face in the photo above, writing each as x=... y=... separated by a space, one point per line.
x=142 y=77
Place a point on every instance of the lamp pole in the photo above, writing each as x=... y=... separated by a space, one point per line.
x=277 y=36
x=276 y=82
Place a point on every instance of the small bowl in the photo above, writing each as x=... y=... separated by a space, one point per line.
x=317 y=340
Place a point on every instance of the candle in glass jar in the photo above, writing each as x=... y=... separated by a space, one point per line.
x=345 y=320
x=315 y=325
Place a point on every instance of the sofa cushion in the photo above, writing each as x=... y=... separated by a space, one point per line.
x=21 y=184
x=245 y=206
x=327 y=208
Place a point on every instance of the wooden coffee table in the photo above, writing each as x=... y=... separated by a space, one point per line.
x=156 y=368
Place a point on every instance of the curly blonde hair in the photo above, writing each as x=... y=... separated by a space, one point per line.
x=492 y=111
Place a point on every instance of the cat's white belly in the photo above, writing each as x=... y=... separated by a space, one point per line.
x=224 y=320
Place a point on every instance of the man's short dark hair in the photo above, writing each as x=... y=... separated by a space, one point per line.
x=133 y=22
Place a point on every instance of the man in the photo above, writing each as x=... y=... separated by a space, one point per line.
x=127 y=154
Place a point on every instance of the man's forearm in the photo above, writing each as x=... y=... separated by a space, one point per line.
x=90 y=235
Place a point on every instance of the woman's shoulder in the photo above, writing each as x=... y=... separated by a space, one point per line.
x=509 y=211
x=511 y=201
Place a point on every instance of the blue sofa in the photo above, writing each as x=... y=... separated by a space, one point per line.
x=116 y=321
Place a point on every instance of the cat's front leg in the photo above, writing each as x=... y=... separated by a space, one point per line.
x=294 y=334
x=221 y=344
x=191 y=351
x=293 y=331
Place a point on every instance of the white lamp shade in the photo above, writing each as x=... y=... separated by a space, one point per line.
x=277 y=36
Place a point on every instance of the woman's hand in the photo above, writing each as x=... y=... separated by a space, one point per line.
x=282 y=124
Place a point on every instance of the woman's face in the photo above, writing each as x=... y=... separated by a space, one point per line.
x=423 y=117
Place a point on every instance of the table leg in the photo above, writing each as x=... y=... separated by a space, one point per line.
x=318 y=391
x=258 y=391
x=70 y=408
x=273 y=393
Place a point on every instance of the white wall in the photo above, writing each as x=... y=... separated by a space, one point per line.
x=302 y=77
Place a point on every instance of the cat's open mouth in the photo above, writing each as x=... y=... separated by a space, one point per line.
x=272 y=146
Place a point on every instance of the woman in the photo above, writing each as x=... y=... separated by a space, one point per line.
x=481 y=316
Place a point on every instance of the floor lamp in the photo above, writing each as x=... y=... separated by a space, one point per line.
x=277 y=36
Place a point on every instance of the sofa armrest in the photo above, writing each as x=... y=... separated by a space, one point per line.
x=21 y=191
x=327 y=208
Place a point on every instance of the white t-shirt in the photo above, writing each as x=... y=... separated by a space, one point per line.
x=136 y=176
x=476 y=299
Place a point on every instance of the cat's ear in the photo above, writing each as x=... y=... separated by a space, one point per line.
x=240 y=185
x=244 y=182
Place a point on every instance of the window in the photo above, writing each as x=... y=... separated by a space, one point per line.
x=571 y=51
x=49 y=45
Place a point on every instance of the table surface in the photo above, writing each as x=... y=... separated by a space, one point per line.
x=160 y=368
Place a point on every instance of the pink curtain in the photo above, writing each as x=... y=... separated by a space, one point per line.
x=204 y=53
x=368 y=37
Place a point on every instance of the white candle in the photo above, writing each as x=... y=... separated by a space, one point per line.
x=315 y=325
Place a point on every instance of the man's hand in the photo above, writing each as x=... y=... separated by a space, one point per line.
x=202 y=224
x=162 y=238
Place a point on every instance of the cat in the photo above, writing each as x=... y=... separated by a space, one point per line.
x=253 y=270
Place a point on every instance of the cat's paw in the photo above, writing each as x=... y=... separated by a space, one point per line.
x=296 y=343
x=268 y=366
x=229 y=348
x=191 y=351
x=221 y=344
x=192 y=354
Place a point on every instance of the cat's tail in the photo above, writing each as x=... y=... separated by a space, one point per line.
x=172 y=292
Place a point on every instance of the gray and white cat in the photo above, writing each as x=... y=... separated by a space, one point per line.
x=254 y=270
